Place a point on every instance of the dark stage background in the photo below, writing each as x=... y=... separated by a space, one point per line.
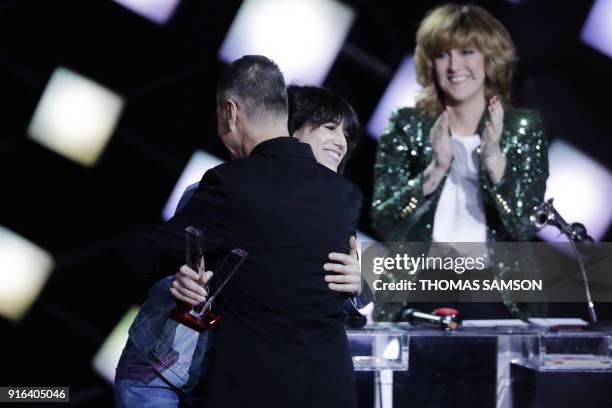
x=167 y=73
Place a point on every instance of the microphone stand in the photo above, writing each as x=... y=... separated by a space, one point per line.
x=546 y=214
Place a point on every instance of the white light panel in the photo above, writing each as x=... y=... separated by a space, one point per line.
x=597 y=31
x=106 y=359
x=582 y=189
x=158 y=11
x=75 y=117
x=24 y=269
x=302 y=36
x=401 y=92
x=199 y=163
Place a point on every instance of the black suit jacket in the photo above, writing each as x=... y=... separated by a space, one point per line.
x=281 y=334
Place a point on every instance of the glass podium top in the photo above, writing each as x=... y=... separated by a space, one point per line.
x=386 y=346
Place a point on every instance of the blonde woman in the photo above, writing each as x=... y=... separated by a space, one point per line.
x=463 y=165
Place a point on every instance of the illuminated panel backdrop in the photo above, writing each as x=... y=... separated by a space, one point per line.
x=24 y=269
x=158 y=11
x=302 y=36
x=597 y=31
x=582 y=189
x=106 y=359
x=199 y=163
x=402 y=91
x=75 y=117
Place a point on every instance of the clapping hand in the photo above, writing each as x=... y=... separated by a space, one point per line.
x=489 y=145
x=490 y=149
x=440 y=142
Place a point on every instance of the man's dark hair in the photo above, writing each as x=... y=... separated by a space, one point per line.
x=257 y=85
x=314 y=106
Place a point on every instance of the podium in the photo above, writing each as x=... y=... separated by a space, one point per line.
x=507 y=366
x=567 y=352
x=381 y=348
x=563 y=369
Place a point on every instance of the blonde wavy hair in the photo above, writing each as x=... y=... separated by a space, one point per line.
x=456 y=26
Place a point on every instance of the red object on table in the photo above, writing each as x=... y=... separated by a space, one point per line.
x=445 y=311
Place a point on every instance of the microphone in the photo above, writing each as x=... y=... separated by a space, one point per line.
x=415 y=317
x=546 y=214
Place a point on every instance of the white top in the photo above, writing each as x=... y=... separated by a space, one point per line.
x=460 y=213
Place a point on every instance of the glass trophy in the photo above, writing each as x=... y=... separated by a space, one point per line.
x=201 y=317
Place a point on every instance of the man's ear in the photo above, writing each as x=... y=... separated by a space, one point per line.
x=230 y=112
x=226 y=115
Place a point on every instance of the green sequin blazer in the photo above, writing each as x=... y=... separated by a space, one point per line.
x=400 y=212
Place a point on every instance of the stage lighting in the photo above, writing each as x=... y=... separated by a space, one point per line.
x=106 y=359
x=302 y=36
x=158 y=11
x=199 y=163
x=24 y=269
x=75 y=117
x=582 y=189
x=597 y=31
x=401 y=92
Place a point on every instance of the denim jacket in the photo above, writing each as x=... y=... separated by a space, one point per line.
x=175 y=351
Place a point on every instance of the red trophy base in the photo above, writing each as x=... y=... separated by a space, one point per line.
x=182 y=314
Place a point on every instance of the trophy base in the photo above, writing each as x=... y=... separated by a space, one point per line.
x=182 y=314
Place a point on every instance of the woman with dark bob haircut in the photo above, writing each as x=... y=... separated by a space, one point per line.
x=463 y=165
x=316 y=116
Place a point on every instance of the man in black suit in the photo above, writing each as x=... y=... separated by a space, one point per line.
x=281 y=341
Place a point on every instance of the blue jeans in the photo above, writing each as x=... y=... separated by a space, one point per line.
x=138 y=385
x=157 y=393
